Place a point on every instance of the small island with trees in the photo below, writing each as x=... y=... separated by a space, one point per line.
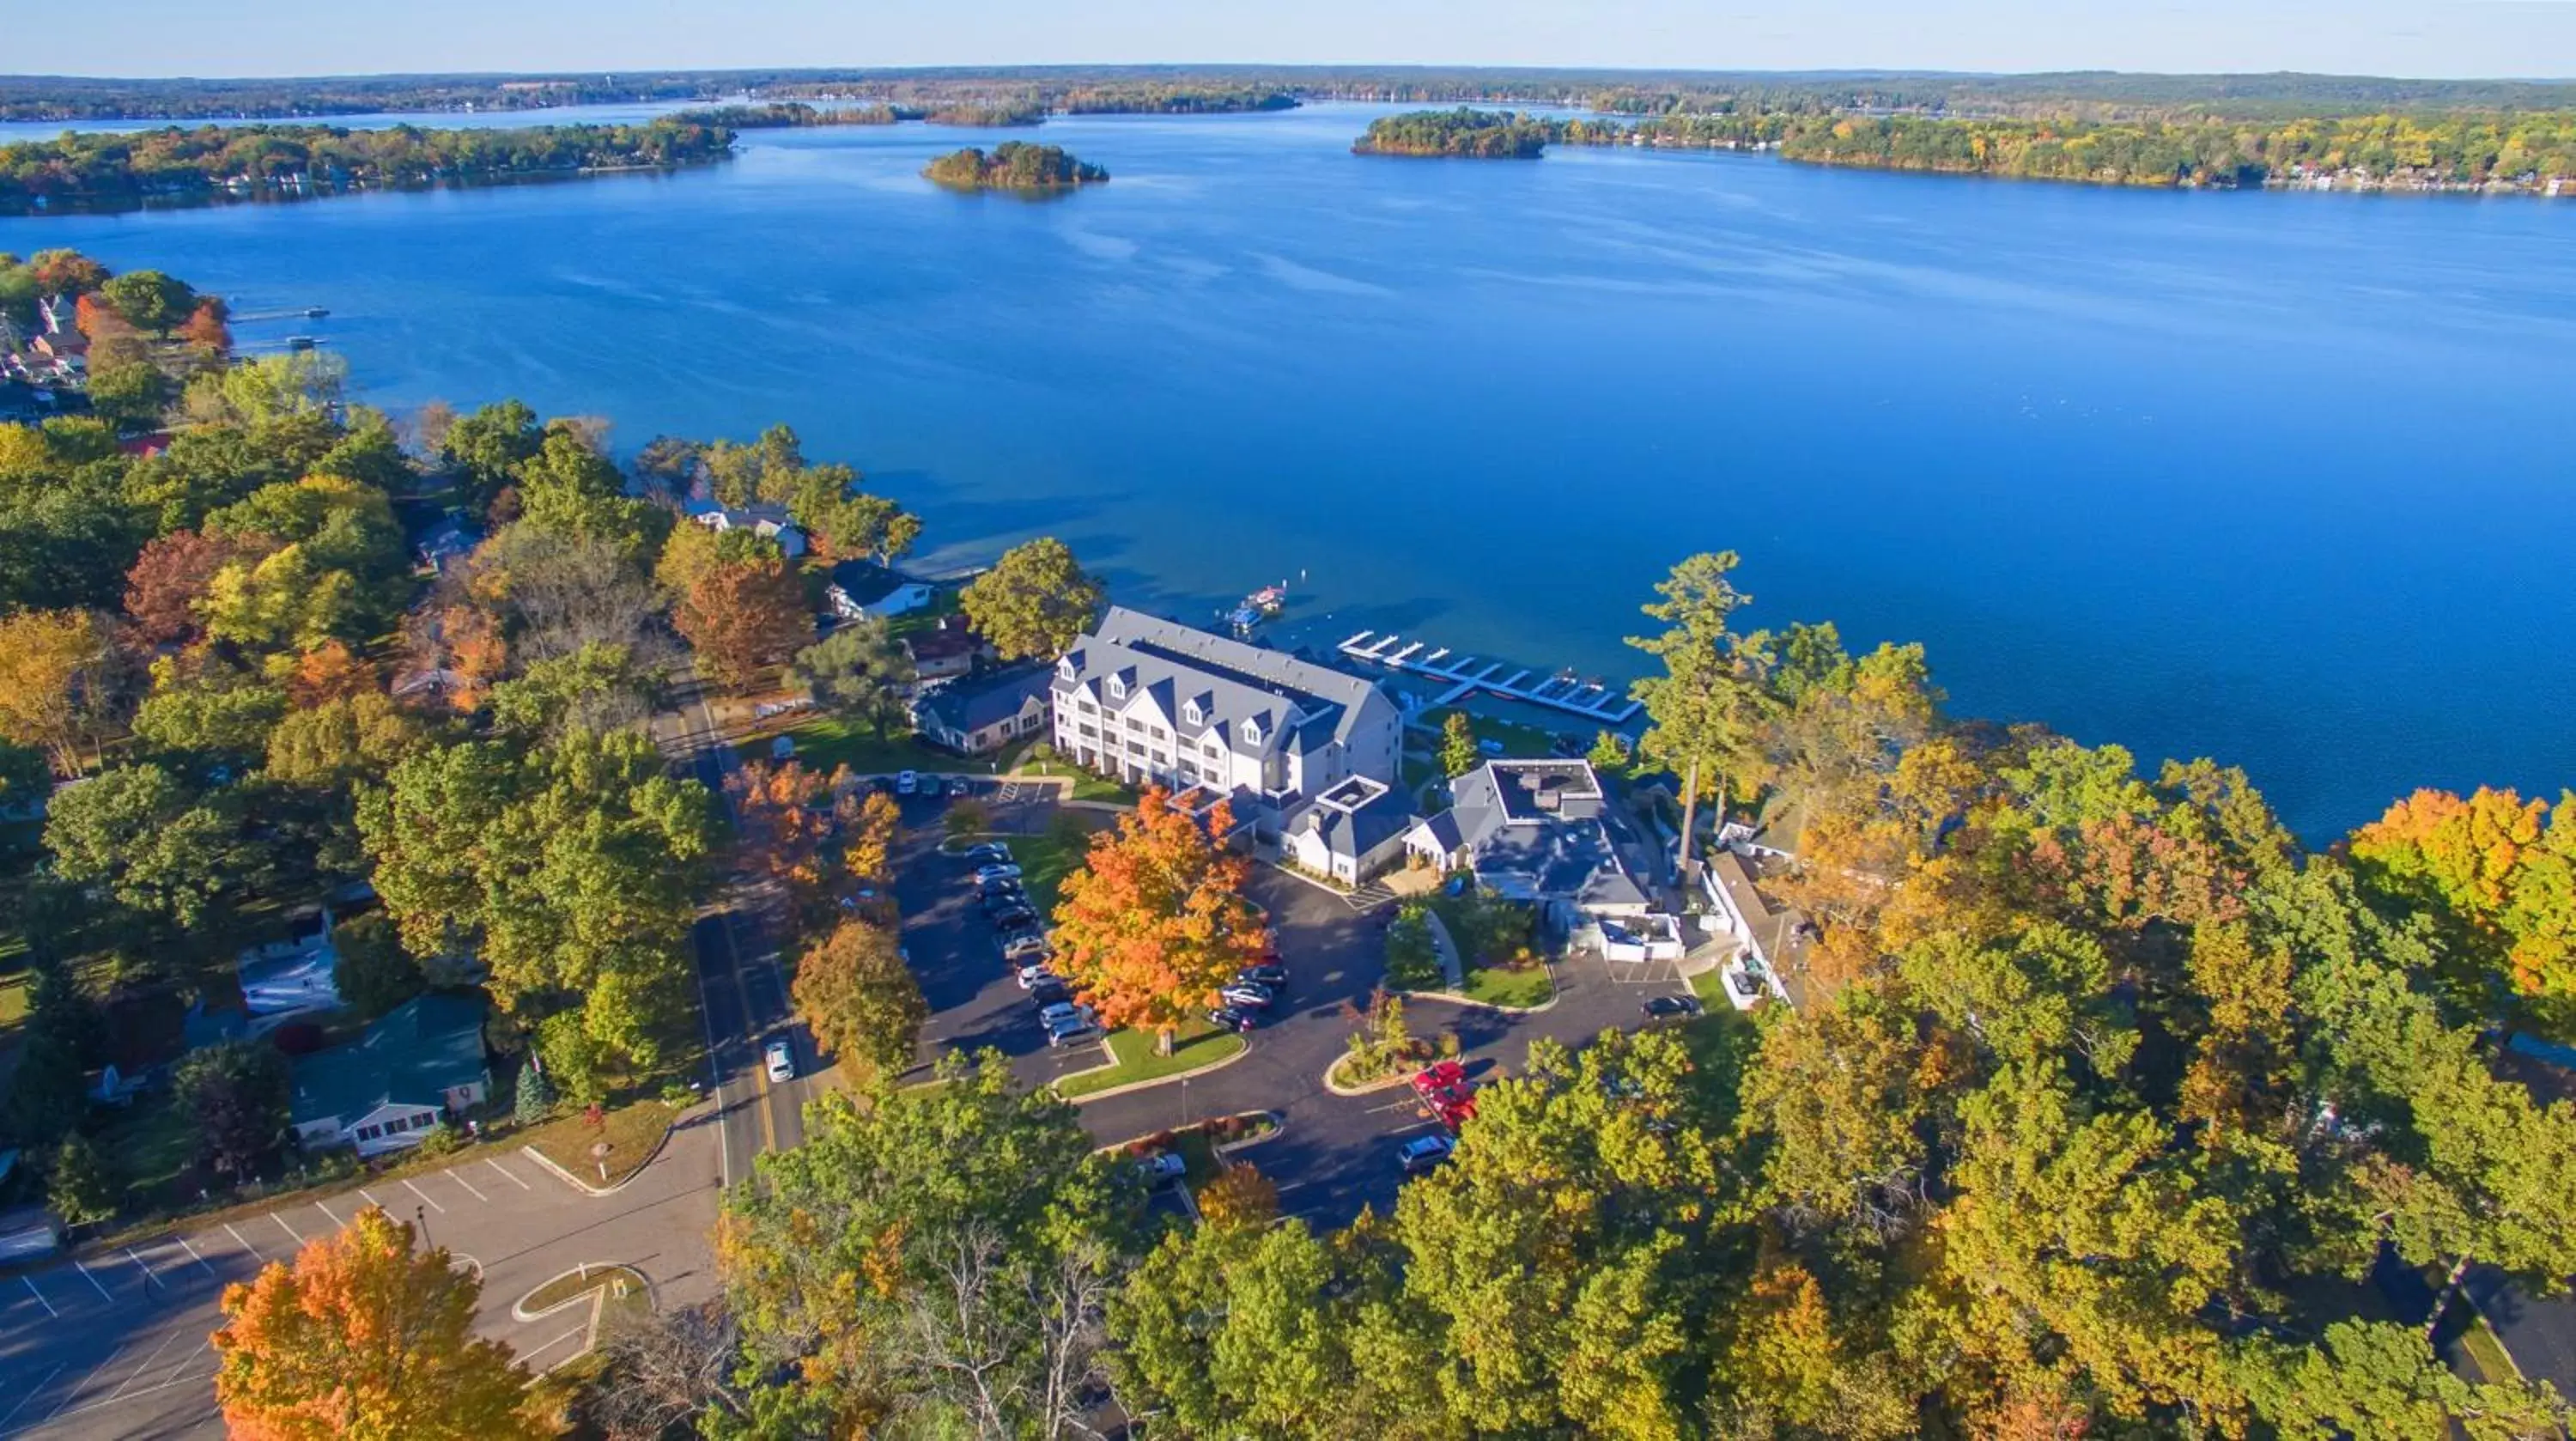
x=1461 y=133
x=1013 y=165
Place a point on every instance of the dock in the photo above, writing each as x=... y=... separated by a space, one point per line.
x=1466 y=675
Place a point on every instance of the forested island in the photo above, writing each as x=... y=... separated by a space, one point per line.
x=1013 y=165
x=91 y=170
x=1466 y=133
x=792 y=115
x=2531 y=152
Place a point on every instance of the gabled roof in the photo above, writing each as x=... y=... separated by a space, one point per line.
x=1233 y=682
x=969 y=708
x=1355 y=830
x=865 y=582
x=412 y=1055
x=1533 y=831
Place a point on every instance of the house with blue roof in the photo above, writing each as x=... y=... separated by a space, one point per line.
x=420 y=1063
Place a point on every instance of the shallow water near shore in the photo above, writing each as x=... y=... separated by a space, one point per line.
x=2281 y=478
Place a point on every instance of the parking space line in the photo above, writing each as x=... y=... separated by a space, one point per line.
x=468 y=1185
x=372 y=1200
x=74 y=1394
x=424 y=1195
x=290 y=1230
x=151 y=1277
x=507 y=1176
x=187 y=1361
x=334 y=1215
x=193 y=1256
x=166 y=1343
x=93 y=1281
x=245 y=1243
x=32 y=1393
x=41 y=1301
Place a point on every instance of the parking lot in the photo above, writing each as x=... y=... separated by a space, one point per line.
x=116 y=1345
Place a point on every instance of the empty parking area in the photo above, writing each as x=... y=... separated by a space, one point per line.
x=116 y=1344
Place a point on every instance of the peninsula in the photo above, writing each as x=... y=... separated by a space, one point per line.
x=1013 y=165
x=1461 y=133
x=100 y=171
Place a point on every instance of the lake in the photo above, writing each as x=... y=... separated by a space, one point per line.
x=2281 y=478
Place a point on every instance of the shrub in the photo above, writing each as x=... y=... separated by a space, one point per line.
x=441 y=1140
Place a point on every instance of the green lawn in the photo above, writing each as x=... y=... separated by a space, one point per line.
x=825 y=742
x=1086 y=786
x=1200 y=1046
x=632 y=1133
x=575 y=1284
x=1519 y=742
x=1710 y=987
x=1495 y=986
x=149 y=1146
x=1044 y=862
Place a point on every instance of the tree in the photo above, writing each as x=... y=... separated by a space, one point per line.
x=235 y=1095
x=669 y=1367
x=1154 y=922
x=369 y=1338
x=740 y=618
x=1706 y=707
x=329 y=746
x=1609 y=753
x=52 y=666
x=859 y=672
x=205 y=326
x=148 y=838
x=132 y=394
x=854 y=992
x=533 y=1099
x=169 y=580
x=868 y=854
x=149 y=300
x=485 y=447
x=374 y=973
x=78 y=1185
x=1034 y=602
x=223 y=719
x=1248 y=1331
x=1458 y=752
x=1239 y=1196
x=2378 y=1381
x=932 y=1259
x=599 y=687
x=784 y=818
x=66 y=272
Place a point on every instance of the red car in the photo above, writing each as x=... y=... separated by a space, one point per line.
x=1443 y=1088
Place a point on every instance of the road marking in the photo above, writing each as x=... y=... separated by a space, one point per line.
x=186 y=1361
x=424 y=1195
x=334 y=1215
x=150 y=1276
x=373 y=1201
x=32 y=1392
x=245 y=1243
x=290 y=1230
x=166 y=1343
x=93 y=1280
x=506 y=1176
x=193 y=1256
x=41 y=1301
x=74 y=1394
x=459 y=1179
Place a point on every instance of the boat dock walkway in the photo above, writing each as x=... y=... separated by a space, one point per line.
x=1467 y=674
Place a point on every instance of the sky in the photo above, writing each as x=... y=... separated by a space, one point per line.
x=2444 y=38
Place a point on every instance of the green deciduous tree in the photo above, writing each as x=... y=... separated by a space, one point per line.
x=235 y=1095
x=854 y=992
x=151 y=840
x=860 y=673
x=1458 y=752
x=1034 y=602
x=149 y=300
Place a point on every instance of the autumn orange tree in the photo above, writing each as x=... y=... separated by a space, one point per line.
x=2500 y=868
x=785 y=817
x=50 y=660
x=867 y=852
x=743 y=616
x=1155 y=921
x=854 y=992
x=368 y=1339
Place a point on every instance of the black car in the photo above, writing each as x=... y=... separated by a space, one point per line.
x=1668 y=1007
x=993 y=892
x=1234 y=1018
x=1014 y=918
x=1266 y=974
x=1049 y=993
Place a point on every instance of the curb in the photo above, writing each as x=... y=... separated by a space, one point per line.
x=519 y=1311
x=1278 y=1128
x=1134 y=1086
x=1372 y=1088
x=1457 y=999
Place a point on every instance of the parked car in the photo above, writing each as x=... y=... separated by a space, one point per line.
x=1268 y=973
x=1163 y=1166
x=1444 y=1090
x=1744 y=983
x=1663 y=1008
x=1233 y=1019
x=1015 y=917
x=1063 y=1012
x=989 y=853
x=1079 y=1028
x=1247 y=995
x=906 y=782
x=998 y=894
x=781 y=1059
x=1049 y=992
x=1004 y=871
x=930 y=785
x=1424 y=1153
x=1025 y=948
x=1032 y=976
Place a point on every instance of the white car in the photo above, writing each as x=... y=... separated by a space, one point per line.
x=1063 y=1013
x=782 y=1061
x=1163 y=1166
x=906 y=782
x=1032 y=976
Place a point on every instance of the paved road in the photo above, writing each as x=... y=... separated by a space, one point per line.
x=2539 y=1331
x=116 y=1346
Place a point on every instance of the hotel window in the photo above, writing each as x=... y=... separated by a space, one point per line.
x=1161 y=734
x=1135 y=724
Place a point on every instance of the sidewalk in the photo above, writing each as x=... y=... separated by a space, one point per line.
x=1451 y=967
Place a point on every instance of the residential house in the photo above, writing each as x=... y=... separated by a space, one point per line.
x=59 y=315
x=948 y=648
x=418 y=1064
x=298 y=972
x=765 y=520
x=1774 y=937
x=1537 y=831
x=978 y=717
x=1353 y=830
x=861 y=587
x=1154 y=701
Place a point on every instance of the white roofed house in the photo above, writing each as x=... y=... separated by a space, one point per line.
x=862 y=587
x=1537 y=831
x=764 y=520
x=1154 y=702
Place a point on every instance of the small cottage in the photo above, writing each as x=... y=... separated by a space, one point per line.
x=419 y=1064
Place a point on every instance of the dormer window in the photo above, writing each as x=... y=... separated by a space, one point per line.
x=1118 y=687
x=1067 y=669
x=1252 y=730
x=1192 y=715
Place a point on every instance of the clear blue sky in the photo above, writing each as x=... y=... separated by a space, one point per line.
x=308 y=37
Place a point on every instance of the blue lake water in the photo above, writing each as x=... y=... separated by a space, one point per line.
x=2283 y=479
